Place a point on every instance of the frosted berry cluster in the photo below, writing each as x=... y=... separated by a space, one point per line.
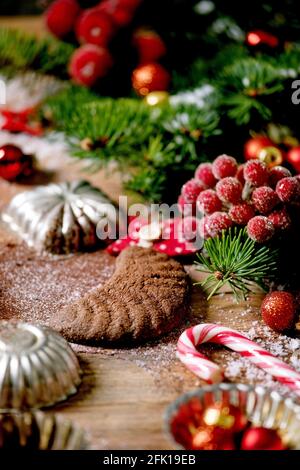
x=251 y=194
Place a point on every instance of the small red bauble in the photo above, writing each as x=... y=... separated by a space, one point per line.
x=89 y=63
x=260 y=229
x=293 y=157
x=277 y=173
x=229 y=190
x=279 y=310
x=212 y=438
x=191 y=190
x=261 y=439
x=149 y=45
x=94 y=27
x=241 y=213
x=60 y=17
x=259 y=37
x=224 y=166
x=217 y=222
x=150 y=77
x=208 y=202
x=12 y=162
x=264 y=199
x=280 y=219
x=253 y=146
x=256 y=173
x=288 y=189
x=205 y=174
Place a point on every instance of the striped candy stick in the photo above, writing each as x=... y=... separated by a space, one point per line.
x=211 y=372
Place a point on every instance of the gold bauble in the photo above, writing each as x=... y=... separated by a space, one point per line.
x=271 y=156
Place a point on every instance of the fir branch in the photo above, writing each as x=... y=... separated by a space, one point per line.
x=235 y=260
x=21 y=51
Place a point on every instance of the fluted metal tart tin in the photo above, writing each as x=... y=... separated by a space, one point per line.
x=37 y=367
x=59 y=218
x=40 y=431
x=262 y=407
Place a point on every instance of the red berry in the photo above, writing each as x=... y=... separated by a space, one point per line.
x=191 y=190
x=94 y=27
x=253 y=146
x=205 y=174
x=256 y=173
x=279 y=310
x=229 y=190
x=60 y=17
x=240 y=174
x=241 y=213
x=224 y=166
x=186 y=208
x=88 y=63
x=218 y=222
x=288 y=189
x=277 y=173
x=190 y=228
x=203 y=230
x=280 y=219
x=293 y=157
x=149 y=45
x=260 y=229
x=208 y=202
x=264 y=199
x=150 y=77
x=261 y=439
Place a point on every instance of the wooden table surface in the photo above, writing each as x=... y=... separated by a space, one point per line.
x=121 y=402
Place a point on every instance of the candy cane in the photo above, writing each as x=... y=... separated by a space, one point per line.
x=211 y=373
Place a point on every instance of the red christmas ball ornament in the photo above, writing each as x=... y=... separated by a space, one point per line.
x=293 y=157
x=279 y=310
x=60 y=17
x=254 y=145
x=89 y=63
x=261 y=439
x=150 y=77
x=13 y=163
x=94 y=27
x=259 y=37
x=149 y=45
x=121 y=11
x=212 y=438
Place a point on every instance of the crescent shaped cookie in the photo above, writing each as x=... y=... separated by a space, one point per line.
x=145 y=298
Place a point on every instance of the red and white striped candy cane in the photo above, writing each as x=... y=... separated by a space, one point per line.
x=211 y=373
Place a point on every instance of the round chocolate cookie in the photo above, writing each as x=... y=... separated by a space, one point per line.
x=145 y=298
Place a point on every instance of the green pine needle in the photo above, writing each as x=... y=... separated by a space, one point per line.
x=235 y=260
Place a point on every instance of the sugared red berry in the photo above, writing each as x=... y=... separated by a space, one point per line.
x=191 y=190
x=204 y=173
x=240 y=174
x=278 y=310
x=208 y=202
x=241 y=213
x=264 y=199
x=277 y=173
x=60 y=17
x=94 y=27
x=260 y=229
x=280 y=219
x=203 y=231
x=288 y=189
x=256 y=173
x=218 y=222
x=190 y=228
x=186 y=208
x=229 y=190
x=224 y=166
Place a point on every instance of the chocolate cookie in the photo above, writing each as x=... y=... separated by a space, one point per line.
x=145 y=298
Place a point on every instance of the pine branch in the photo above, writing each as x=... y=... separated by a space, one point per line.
x=235 y=260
